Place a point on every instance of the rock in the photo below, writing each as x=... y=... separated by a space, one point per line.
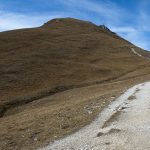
x=100 y=134
x=114 y=131
x=107 y=143
x=65 y=126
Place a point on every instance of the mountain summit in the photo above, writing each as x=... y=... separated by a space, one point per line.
x=74 y=23
x=68 y=21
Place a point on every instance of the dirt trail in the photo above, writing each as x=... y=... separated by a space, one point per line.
x=124 y=124
x=136 y=53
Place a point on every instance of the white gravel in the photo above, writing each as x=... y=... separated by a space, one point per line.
x=131 y=130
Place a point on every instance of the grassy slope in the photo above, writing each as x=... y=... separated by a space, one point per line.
x=63 y=54
x=58 y=56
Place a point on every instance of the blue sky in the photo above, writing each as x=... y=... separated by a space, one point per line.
x=128 y=18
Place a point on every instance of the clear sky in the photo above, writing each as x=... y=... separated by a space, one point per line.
x=128 y=18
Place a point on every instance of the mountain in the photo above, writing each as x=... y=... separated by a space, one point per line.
x=62 y=56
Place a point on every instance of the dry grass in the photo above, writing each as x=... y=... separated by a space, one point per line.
x=48 y=75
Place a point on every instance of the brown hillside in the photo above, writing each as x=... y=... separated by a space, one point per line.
x=62 y=55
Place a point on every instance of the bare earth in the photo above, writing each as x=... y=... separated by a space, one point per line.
x=124 y=124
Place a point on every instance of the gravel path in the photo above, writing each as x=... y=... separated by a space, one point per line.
x=123 y=125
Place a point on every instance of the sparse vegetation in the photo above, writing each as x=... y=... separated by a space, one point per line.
x=49 y=74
